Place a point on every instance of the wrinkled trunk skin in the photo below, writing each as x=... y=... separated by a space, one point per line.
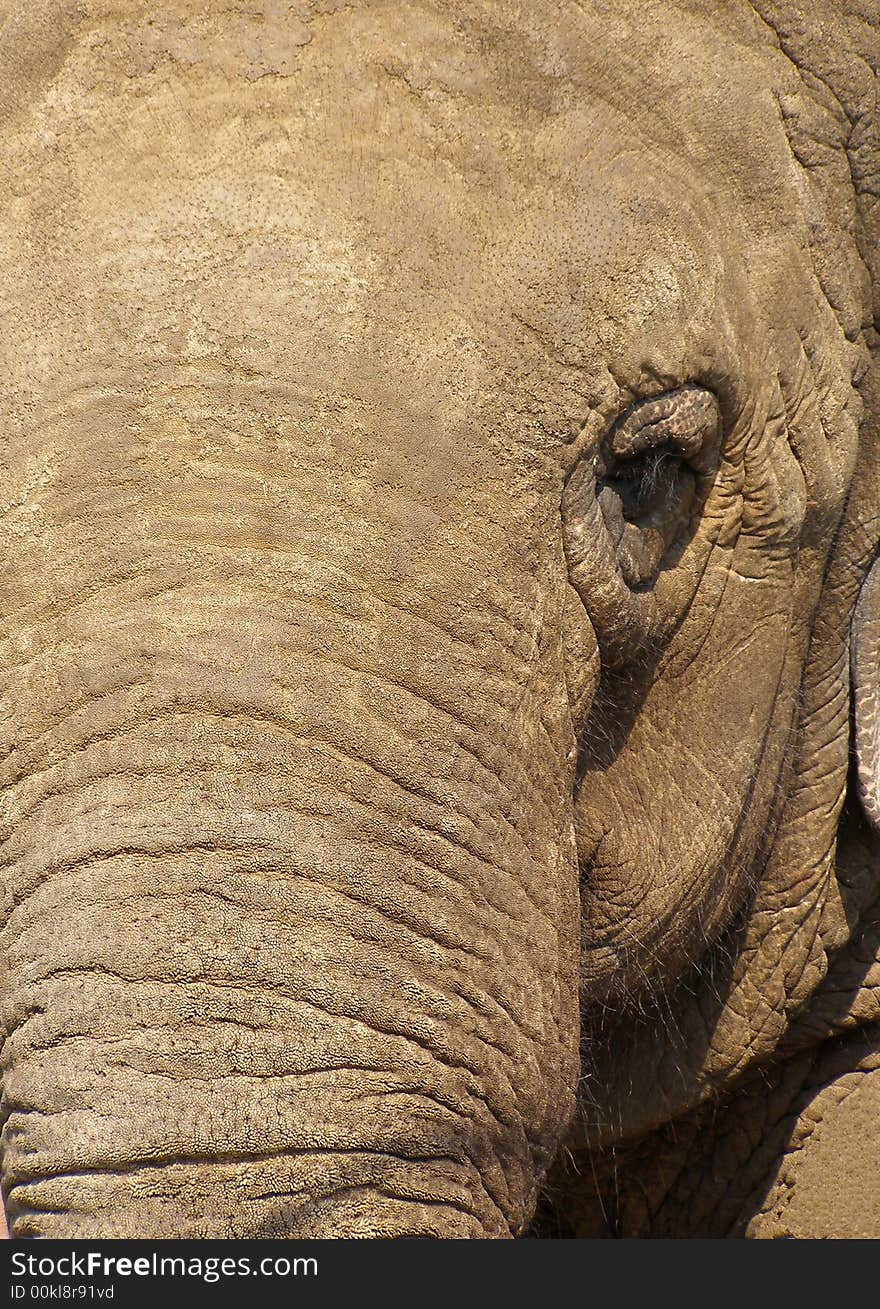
x=292 y=916
x=288 y=747
x=284 y=955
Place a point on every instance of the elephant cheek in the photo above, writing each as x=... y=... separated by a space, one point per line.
x=283 y=958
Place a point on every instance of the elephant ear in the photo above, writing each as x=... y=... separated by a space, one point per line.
x=866 y=693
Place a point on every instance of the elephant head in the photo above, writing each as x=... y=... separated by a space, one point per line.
x=440 y=465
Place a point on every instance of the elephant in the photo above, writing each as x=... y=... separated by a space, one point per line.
x=441 y=645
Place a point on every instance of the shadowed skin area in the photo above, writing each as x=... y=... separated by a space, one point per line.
x=437 y=481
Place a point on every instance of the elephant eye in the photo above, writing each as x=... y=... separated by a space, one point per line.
x=650 y=467
x=641 y=485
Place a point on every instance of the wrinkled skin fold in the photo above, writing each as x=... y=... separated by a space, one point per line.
x=439 y=501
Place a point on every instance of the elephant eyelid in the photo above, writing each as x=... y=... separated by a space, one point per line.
x=685 y=422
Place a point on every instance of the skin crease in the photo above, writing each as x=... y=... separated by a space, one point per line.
x=377 y=856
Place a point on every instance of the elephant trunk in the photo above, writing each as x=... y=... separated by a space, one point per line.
x=284 y=961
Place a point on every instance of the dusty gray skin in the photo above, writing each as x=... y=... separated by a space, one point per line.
x=440 y=465
x=866 y=692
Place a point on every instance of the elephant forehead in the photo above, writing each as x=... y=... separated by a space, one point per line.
x=440 y=202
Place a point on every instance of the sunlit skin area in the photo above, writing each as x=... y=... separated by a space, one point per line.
x=440 y=508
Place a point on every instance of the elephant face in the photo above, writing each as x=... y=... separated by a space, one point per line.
x=431 y=432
